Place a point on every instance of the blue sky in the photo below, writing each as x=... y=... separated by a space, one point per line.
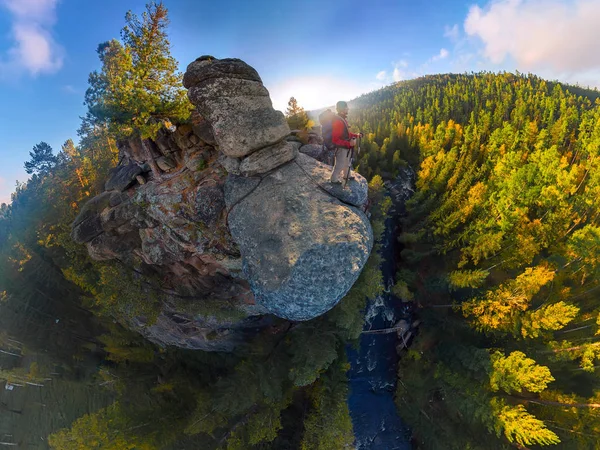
x=318 y=51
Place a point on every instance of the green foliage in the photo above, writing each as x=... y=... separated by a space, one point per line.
x=348 y=315
x=105 y=429
x=516 y=373
x=125 y=346
x=380 y=205
x=517 y=425
x=21 y=376
x=504 y=225
x=587 y=353
x=467 y=278
x=548 y=318
x=42 y=160
x=466 y=382
x=259 y=427
x=138 y=87
x=123 y=294
x=500 y=308
x=583 y=245
x=328 y=425
x=295 y=115
x=401 y=291
x=314 y=351
x=117 y=291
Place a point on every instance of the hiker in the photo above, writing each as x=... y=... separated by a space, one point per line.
x=344 y=142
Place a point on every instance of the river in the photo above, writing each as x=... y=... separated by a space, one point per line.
x=372 y=375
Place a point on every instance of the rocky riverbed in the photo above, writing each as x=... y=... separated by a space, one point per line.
x=372 y=376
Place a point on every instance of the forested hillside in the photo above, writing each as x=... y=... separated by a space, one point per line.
x=501 y=252
x=80 y=378
x=501 y=256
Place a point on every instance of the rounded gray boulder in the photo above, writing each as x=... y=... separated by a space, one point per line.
x=302 y=248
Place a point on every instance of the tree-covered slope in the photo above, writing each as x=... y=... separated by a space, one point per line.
x=502 y=252
x=64 y=316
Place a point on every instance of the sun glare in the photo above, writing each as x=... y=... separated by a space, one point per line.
x=314 y=92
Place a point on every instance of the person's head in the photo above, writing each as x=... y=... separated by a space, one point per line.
x=342 y=108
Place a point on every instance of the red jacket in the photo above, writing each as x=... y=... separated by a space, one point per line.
x=339 y=133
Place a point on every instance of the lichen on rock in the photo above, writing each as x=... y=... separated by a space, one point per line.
x=302 y=248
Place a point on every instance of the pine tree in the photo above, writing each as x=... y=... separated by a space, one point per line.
x=517 y=425
x=138 y=87
x=328 y=425
x=517 y=373
x=106 y=429
x=42 y=160
x=296 y=117
x=500 y=308
x=467 y=278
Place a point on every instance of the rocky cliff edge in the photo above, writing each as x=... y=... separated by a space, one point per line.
x=234 y=217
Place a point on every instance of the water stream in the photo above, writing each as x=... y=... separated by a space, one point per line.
x=372 y=375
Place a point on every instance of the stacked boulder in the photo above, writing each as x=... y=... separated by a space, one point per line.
x=318 y=152
x=231 y=212
x=303 y=240
x=315 y=147
x=250 y=134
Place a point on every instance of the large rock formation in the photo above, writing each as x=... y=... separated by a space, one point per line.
x=234 y=221
x=230 y=95
x=302 y=248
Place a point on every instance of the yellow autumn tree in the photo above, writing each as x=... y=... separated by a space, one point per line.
x=499 y=309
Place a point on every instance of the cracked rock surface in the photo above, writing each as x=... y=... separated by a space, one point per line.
x=302 y=248
x=231 y=217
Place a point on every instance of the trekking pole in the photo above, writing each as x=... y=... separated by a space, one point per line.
x=350 y=164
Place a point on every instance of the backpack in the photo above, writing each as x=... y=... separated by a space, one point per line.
x=326 y=120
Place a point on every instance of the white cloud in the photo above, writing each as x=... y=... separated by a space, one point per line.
x=398 y=74
x=560 y=35
x=33 y=49
x=443 y=54
x=424 y=68
x=452 y=32
x=37 y=10
x=69 y=89
x=315 y=91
